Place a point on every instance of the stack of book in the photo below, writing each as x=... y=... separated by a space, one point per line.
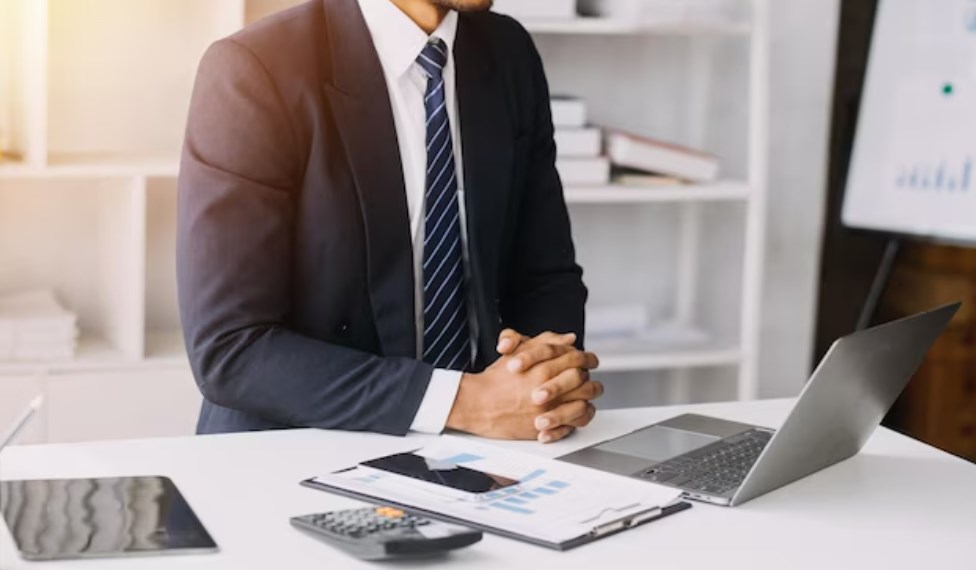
x=578 y=146
x=644 y=161
x=537 y=9
x=35 y=326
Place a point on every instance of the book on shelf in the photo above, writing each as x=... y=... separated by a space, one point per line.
x=537 y=9
x=568 y=112
x=584 y=171
x=35 y=326
x=585 y=142
x=654 y=156
x=639 y=179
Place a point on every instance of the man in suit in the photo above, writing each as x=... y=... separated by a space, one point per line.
x=368 y=197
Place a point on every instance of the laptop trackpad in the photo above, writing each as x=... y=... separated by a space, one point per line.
x=658 y=443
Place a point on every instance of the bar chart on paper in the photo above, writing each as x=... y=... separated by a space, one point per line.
x=942 y=176
x=540 y=499
x=913 y=168
x=532 y=487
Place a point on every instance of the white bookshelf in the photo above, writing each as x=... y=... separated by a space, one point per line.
x=92 y=105
x=692 y=254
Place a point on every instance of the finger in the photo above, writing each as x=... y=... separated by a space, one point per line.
x=589 y=391
x=586 y=418
x=574 y=359
x=561 y=415
x=566 y=382
x=555 y=435
x=534 y=354
x=509 y=340
x=550 y=337
x=546 y=338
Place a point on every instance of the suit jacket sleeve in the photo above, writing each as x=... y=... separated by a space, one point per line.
x=241 y=167
x=545 y=291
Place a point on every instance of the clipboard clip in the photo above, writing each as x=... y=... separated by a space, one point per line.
x=627 y=522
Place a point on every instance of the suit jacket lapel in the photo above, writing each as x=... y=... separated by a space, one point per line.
x=487 y=143
x=360 y=102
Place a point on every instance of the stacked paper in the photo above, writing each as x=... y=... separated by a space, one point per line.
x=578 y=146
x=35 y=326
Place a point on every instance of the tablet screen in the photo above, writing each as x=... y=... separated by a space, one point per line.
x=95 y=518
x=440 y=473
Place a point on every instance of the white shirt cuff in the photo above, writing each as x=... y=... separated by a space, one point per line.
x=437 y=403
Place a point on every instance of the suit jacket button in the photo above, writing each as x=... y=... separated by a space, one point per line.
x=342 y=329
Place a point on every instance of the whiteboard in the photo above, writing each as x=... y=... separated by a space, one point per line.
x=913 y=168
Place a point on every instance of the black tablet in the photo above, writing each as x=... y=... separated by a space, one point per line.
x=98 y=518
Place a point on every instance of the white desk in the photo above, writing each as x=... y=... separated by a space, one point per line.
x=900 y=504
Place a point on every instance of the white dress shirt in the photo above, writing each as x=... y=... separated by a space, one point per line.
x=398 y=42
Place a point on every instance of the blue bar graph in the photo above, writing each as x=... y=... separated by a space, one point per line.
x=512 y=508
x=534 y=475
x=936 y=177
x=463 y=458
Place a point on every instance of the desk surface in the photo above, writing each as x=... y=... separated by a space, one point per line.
x=899 y=504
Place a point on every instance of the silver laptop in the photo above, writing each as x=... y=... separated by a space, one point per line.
x=728 y=463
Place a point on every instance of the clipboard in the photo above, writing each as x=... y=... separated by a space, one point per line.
x=598 y=532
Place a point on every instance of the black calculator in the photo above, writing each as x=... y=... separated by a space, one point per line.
x=385 y=533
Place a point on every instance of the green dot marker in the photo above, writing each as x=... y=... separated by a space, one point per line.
x=948 y=89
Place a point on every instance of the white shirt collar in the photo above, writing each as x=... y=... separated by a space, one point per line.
x=398 y=39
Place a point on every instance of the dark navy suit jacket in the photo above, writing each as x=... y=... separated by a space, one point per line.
x=294 y=256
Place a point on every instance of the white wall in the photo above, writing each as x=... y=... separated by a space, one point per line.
x=804 y=53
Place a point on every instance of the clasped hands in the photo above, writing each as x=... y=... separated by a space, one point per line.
x=540 y=388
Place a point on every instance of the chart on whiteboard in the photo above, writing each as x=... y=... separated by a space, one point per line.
x=913 y=169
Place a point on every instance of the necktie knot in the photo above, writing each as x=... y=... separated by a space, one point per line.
x=433 y=58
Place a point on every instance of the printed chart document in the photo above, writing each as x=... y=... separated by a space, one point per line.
x=518 y=495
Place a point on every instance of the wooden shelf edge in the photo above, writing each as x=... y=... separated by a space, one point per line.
x=165 y=350
x=669 y=360
x=621 y=194
x=92 y=167
x=584 y=25
x=95 y=354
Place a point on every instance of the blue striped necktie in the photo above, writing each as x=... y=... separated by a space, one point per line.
x=447 y=343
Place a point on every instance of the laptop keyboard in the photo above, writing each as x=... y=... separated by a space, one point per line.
x=714 y=469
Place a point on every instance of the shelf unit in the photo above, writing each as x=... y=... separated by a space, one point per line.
x=694 y=254
x=87 y=203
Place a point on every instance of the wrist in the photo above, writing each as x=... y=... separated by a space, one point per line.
x=464 y=413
